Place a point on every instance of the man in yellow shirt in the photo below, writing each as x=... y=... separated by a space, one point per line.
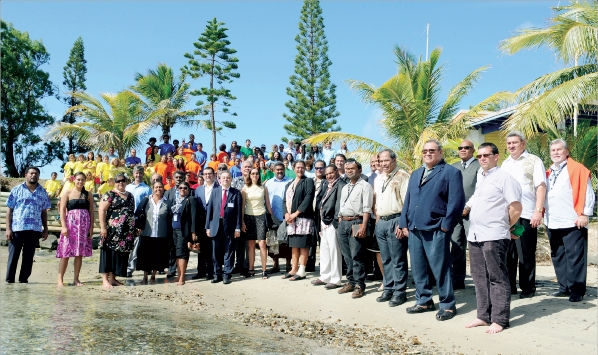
x=107 y=186
x=53 y=186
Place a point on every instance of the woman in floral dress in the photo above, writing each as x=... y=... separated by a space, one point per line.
x=117 y=223
x=76 y=213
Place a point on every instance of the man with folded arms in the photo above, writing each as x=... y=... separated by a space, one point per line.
x=327 y=209
x=389 y=195
x=354 y=214
x=495 y=208
x=569 y=201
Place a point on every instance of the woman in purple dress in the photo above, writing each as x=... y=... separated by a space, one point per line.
x=76 y=213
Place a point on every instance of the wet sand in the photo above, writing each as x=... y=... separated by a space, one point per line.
x=298 y=311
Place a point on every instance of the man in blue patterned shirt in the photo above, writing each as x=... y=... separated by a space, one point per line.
x=26 y=222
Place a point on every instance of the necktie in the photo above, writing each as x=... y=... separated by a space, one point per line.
x=426 y=173
x=463 y=163
x=223 y=204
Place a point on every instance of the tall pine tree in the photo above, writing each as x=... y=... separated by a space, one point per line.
x=312 y=107
x=74 y=81
x=213 y=58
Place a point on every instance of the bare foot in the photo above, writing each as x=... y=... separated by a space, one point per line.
x=476 y=323
x=180 y=283
x=494 y=328
x=153 y=281
x=116 y=283
x=60 y=284
x=107 y=285
x=78 y=283
x=144 y=281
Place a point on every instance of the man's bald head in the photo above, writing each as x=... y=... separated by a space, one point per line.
x=466 y=150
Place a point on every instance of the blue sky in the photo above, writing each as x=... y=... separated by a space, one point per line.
x=122 y=38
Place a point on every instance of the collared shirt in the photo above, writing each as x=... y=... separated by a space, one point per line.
x=275 y=194
x=318 y=185
x=27 y=207
x=560 y=212
x=236 y=172
x=390 y=192
x=468 y=162
x=489 y=217
x=529 y=171
x=155 y=216
x=138 y=191
x=133 y=161
x=328 y=154
x=201 y=157
x=208 y=191
x=238 y=183
x=356 y=199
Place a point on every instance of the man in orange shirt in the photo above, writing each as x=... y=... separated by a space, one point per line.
x=213 y=162
x=164 y=169
x=193 y=167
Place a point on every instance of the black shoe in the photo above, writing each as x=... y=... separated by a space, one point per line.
x=444 y=314
x=397 y=301
x=385 y=297
x=514 y=291
x=560 y=294
x=527 y=295
x=216 y=280
x=209 y=277
x=428 y=307
x=237 y=270
x=227 y=280
x=161 y=272
x=310 y=269
x=23 y=281
x=575 y=298
x=10 y=281
x=459 y=285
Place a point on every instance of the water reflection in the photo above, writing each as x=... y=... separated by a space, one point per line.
x=37 y=319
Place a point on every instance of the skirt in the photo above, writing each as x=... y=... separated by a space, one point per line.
x=77 y=242
x=300 y=240
x=153 y=254
x=256 y=227
x=113 y=261
x=180 y=244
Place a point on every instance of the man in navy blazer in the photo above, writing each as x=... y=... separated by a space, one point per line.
x=433 y=206
x=223 y=226
x=205 y=265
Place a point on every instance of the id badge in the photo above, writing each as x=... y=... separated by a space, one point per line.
x=230 y=204
x=342 y=208
x=175 y=218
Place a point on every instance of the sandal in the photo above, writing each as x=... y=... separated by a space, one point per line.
x=264 y=275
x=296 y=278
x=249 y=274
x=446 y=314
x=288 y=275
x=421 y=308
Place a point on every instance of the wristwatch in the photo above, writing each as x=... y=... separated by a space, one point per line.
x=538 y=209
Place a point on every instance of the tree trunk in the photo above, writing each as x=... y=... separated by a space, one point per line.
x=212 y=119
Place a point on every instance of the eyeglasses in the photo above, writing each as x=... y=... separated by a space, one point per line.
x=484 y=155
x=465 y=147
x=183 y=188
x=319 y=168
x=431 y=151
x=119 y=181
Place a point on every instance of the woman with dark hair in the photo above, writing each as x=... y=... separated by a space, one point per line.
x=265 y=173
x=290 y=158
x=117 y=228
x=89 y=164
x=254 y=207
x=76 y=218
x=184 y=227
x=315 y=153
x=302 y=153
x=153 y=216
x=297 y=206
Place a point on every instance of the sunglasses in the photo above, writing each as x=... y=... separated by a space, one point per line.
x=319 y=168
x=183 y=188
x=484 y=155
x=431 y=151
x=119 y=181
x=465 y=147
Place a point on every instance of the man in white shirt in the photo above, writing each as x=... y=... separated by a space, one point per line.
x=529 y=171
x=569 y=201
x=495 y=207
x=290 y=149
x=205 y=265
x=328 y=153
x=139 y=190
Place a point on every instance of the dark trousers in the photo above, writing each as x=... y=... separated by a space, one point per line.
x=311 y=257
x=458 y=250
x=488 y=262
x=205 y=265
x=527 y=260
x=353 y=250
x=569 y=252
x=393 y=252
x=25 y=241
x=242 y=261
x=432 y=249
x=223 y=252
x=172 y=259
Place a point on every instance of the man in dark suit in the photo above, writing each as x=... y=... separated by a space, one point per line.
x=433 y=205
x=205 y=265
x=223 y=226
x=172 y=195
x=469 y=166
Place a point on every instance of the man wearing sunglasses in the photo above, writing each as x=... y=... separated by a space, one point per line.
x=469 y=167
x=433 y=204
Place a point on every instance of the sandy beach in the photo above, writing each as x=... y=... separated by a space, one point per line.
x=540 y=325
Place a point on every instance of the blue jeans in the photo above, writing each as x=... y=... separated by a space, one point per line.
x=432 y=249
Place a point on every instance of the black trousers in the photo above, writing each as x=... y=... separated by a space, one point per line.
x=242 y=260
x=353 y=250
x=458 y=250
x=223 y=252
x=527 y=263
x=205 y=265
x=21 y=241
x=569 y=252
x=311 y=257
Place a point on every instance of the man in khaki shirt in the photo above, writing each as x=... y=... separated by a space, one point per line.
x=389 y=194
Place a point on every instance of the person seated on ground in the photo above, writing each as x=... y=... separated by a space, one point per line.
x=107 y=186
x=53 y=186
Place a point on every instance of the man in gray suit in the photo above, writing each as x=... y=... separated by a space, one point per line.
x=469 y=166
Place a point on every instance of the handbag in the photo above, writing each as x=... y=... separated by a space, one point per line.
x=281 y=233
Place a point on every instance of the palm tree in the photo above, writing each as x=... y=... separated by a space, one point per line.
x=121 y=125
x=551 y=99
x=413 y=110
x=164 y=95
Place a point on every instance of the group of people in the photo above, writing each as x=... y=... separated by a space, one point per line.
x=434 y=214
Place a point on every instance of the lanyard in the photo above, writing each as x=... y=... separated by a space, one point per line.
x=385 y=184
x=350 y=188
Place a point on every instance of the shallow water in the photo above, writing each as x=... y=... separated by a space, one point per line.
x=42 y=319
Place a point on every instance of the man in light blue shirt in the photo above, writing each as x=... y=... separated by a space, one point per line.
x=276 y=188
x=139 y=190
x=202 y=157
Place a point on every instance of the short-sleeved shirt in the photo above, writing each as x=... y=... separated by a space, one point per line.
x=138 y=191
x=164 y=170
x=202 y=157
x=356 y=199
x=246 y=151
x=133 y=161
x=276 y=193
x=495 y=190
x=328 y=154
x=390 y=192
x=529 y=171
x=166 y=148
x=27 y=207
x=52 y=187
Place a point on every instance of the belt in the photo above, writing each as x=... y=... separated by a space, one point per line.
x=389 y=217
x=351 y=218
